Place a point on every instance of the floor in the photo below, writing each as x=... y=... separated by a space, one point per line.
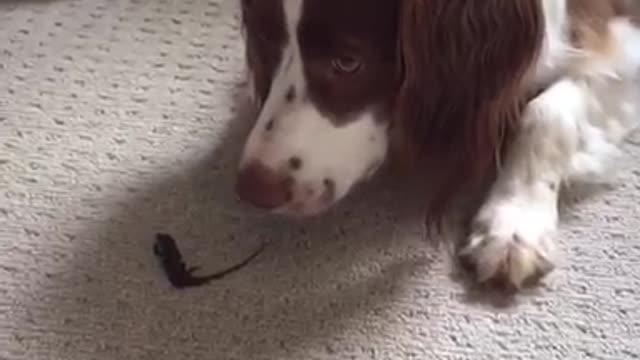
x=121 y=118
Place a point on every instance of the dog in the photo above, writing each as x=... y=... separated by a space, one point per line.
x=539 y=93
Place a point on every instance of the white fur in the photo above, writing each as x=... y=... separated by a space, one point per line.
x=345 y=154
x=570 y=133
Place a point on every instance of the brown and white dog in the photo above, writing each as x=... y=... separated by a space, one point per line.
x=553 y=85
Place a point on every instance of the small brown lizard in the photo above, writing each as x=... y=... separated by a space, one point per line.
x=181 y=276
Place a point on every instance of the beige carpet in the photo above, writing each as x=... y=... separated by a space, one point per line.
x=119 y=119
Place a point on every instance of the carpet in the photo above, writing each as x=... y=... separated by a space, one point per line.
x=122 y=118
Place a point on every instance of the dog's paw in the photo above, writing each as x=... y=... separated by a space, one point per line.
x=508 y=262
x=511 y=245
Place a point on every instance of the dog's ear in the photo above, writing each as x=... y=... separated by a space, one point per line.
x=462 y=64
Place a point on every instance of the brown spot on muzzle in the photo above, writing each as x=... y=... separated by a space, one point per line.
x=263 y=187
x=329 y=192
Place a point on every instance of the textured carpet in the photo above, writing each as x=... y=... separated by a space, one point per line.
x=120 y=118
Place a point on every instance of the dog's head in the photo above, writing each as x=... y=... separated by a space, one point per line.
x=332 y=77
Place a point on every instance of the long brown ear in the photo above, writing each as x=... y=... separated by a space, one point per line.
x=463 y=63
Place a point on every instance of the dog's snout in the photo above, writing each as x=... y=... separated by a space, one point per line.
x=263 y=187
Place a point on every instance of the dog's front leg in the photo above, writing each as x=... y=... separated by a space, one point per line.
x=512 y=239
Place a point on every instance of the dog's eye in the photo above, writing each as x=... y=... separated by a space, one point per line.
x=346 y=64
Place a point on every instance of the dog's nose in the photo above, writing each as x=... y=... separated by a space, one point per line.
x=263 y=187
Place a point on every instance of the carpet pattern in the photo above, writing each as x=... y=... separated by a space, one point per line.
x=121 y=118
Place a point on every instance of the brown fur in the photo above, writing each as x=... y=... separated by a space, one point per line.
x=266 y=36
x=627 y=8
x=462 y=67
x=590 y=21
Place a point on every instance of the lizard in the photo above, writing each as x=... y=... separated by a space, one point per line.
x=179 y=274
